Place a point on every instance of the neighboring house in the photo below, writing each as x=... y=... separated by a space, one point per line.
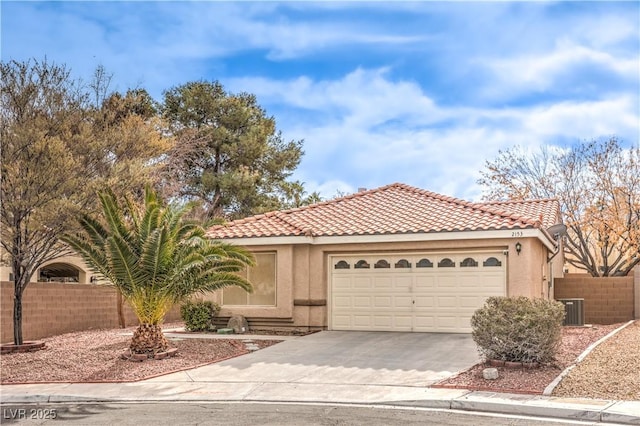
x=70 y=269
x=394 y=258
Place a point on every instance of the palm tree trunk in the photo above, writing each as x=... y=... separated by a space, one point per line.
x=121 y=321
x=148 y=339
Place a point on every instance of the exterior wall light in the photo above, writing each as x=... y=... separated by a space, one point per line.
x=518 y=248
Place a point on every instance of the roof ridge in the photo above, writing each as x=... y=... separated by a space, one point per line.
x=529 y=200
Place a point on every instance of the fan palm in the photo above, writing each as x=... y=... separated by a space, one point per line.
x=156 y=259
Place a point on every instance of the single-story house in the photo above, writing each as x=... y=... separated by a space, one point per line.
x=395 y=258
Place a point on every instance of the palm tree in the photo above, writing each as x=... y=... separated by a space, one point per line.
x=156 y=259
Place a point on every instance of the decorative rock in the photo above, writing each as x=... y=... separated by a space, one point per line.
x=238 y=323
x=490 y=373
x=225 y=331
x=172 y=351
x=251 y=347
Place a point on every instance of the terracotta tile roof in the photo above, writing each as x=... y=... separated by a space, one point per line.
x=392 y=209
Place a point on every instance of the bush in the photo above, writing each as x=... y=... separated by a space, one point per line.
x=198 y=315
x=518 y=329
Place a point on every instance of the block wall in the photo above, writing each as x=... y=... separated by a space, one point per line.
x=55 y=308
x=607 y=300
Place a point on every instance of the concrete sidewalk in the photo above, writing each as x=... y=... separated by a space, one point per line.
x=288 y=373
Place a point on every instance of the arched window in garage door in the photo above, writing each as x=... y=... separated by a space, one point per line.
x=446 y=263
x=469 y=262
x=402 y=263
x=424 y=263
x=492 y=261
x=343 y=264
x=362 y=264
x=382 y=264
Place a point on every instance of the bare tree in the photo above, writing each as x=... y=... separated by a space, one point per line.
x=598 y=186
x=56 y=151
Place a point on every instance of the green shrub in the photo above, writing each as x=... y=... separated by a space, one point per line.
x=518 y=329
x=198 y=315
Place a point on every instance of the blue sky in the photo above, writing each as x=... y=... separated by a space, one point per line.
x=417 y=92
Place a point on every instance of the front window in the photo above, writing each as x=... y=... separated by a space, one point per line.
x=262 y=277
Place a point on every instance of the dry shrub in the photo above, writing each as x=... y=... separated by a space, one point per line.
x=518 y=329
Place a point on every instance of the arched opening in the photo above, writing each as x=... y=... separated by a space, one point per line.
x=61 y=272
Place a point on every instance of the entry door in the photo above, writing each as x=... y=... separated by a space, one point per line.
x=428 y=292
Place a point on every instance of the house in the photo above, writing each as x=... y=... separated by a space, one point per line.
x=395 y=258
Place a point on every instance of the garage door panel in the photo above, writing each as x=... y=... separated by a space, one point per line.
x=424 y=282
x=405 y=297
x=404 y=322
x=360 y=282
x=424 y=302
x=424 y=322
x=402 y=302
x=404 y=282
x=342 y=302
x=342 y=282
x=361 y=302
x=447 y=302
x=383 y=283
x=470 y=301
x=342 y=321
x=383 y=301
x=383 y=321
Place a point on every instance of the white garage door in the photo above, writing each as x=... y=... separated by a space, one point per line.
x=431 y=292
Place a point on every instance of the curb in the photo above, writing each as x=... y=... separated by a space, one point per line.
x=510 y=404
x=551 y=386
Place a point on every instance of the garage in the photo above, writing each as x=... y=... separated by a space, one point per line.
x=421 y=292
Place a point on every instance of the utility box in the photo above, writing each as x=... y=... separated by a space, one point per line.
x=573 y=311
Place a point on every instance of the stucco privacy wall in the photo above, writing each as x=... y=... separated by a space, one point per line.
x=607 y=300
x=303 y=275
x=55 y=308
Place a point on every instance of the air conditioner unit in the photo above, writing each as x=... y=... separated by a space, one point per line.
x=573 y=311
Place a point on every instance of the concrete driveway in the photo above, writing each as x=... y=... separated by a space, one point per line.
x=346 y=357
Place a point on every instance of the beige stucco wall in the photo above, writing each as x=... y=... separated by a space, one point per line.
x=302 y=275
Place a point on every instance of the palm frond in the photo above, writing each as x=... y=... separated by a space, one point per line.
x=154 y=256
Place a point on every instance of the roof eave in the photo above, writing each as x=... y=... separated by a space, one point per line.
x=513 y=233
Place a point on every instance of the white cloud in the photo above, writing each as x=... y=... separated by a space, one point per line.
x=540 y=72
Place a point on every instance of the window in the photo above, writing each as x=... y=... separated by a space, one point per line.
x=362 y=264
x=468 y=262
x=262 y=277
x=343 y=264
x=446 y=263
x=382 y=264
x=492 y=261
x=425 y=263
x=403 y=263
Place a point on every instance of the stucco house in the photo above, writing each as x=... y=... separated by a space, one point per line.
x=395 y=258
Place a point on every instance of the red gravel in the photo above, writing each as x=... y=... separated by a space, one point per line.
x=94 y=356
x=533 y=381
